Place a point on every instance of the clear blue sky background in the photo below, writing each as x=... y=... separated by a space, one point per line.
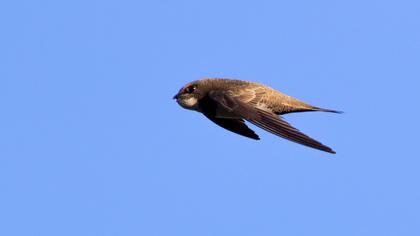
x=93 y=144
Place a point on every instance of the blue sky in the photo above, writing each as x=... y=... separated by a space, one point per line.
x=93 y=144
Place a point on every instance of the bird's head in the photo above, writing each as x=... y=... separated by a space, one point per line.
x=189 y=95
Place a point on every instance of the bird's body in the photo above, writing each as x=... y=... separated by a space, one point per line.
x=229 y=102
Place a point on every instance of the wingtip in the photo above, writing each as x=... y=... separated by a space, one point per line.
x=327 y=149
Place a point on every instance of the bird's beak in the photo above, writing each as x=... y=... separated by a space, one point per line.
x=175 y=97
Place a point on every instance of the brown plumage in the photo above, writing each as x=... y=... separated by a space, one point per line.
x=229 y=102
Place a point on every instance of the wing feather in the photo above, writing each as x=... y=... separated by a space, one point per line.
x=266 y=120
x=210 y=107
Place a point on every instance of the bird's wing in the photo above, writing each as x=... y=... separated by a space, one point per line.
x=249 y=95
x=235 y=124
x=265 y=120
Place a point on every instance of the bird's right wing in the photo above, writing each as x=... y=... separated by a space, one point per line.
x=265 y=120
x=209 y=107
x=237 y=126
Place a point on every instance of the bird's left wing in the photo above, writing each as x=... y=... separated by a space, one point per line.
x=265 y=120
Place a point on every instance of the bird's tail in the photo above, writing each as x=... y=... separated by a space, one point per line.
x=327 y=110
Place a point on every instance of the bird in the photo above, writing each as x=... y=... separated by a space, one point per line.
x=231 y=102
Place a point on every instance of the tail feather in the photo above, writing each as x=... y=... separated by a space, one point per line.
x=328 y=110
x=306 y=109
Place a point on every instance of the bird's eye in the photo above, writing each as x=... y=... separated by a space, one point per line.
x=191 y=89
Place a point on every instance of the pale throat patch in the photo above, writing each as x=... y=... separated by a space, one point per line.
x=190 y=102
